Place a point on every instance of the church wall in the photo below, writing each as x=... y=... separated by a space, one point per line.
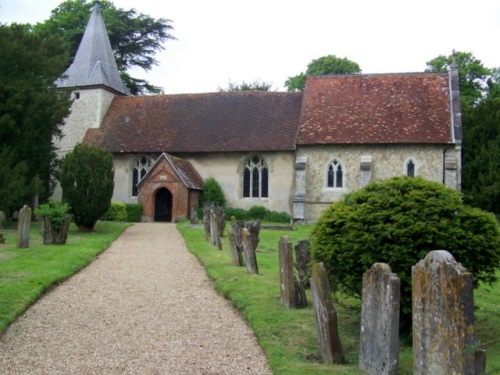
x=380 y=162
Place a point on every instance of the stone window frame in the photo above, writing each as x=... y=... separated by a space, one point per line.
x=341 y=165
x=134 y=168
x=407 y=166
x=254 y=176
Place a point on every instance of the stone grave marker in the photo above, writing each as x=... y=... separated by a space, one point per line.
x=287 y=277
x=249 y=250
x=23 y=227
x=443 y=317
x=302 y=265
x=194 y=217
x=3 y=219
x=330 y=346
x=379 y=339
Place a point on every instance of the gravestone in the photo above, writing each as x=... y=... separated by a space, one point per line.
x=249 y=250
x=302 y=265
x=443 y=316
x=194 y=217
x=379 y=340
x=236 y=254
x=206 y=221
x=330 y=346
x=23 y=227
x=3 y=219
x=2 y=239
x=287 y=277
x=215 y=231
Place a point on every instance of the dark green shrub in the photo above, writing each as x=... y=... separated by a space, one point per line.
x=212 y=193
x=116 y=212
x=134 y=212
x=257 y=213
x=398 y=222
x=86 y=176
x=55 y=211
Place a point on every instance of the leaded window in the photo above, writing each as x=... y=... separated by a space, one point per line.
x=141 y=167
x=410 y=168
x=255 y=178
x=335 y=175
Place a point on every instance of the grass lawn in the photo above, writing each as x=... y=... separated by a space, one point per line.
x=289 y=336
x=25 y=274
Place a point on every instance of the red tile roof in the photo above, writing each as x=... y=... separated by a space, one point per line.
x=214 y=122
x=386 y=108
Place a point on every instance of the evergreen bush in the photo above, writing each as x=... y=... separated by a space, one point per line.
x=134 y=212
x=116 y=212
x=212 y=193
x=86 y=175
x=399 y=221
x=54 y=218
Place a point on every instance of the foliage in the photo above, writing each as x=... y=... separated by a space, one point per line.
x=116 y=212
x=56 y=211
x=134 y=212
x=330 y=64
x=481 y=159
x=257 y=213
x=86 y=176
x=31 y=111
x=135 y=37
x=212 y=193
x=399 y=221
x=244 y=86
x=28 y=273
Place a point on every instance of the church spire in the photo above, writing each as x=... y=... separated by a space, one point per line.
x=94 y=63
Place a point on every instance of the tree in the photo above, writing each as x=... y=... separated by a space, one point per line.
x=31 y=111
x=86 y=176
x=135 y=37
x=399 y=221
x=212 y=193
x=253 y=86
x=330 y=64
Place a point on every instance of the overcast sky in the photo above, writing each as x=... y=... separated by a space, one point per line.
x=270 y=40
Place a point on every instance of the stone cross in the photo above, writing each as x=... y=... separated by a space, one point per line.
x=287 y=277
x=443 y=316
x=23 y=227
x=330 y=346
x=379 y=340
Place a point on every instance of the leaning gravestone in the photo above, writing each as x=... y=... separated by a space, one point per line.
x=249 y=251
x=287 y=277
x=379 y=340
x=330 y=346
x=23 y=227
x=302 y=265
x=443 y=316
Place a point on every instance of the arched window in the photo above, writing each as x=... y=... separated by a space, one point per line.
x=335 y=175
x=255 y=178
x=140 y=166
x=410 y=168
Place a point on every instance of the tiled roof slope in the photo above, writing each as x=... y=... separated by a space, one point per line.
x=385 y=108
x=94 y=62
x=213 y=122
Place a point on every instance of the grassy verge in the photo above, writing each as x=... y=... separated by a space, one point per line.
x=25 y=274
x=289 y=336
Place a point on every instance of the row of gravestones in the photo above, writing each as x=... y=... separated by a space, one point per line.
x=443 y=314
x=23 y=226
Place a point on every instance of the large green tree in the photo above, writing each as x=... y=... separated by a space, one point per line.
x=256 y=85
x=135 y=37
x=330 y=64
x=31 y=111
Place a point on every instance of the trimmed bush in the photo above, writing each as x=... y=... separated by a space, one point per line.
x=257 y=213
x=54 y=219
x=116 y=212
x=399 y=221
x=212 y=193
x=134 y=212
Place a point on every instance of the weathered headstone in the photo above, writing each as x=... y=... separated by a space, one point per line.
x=379 y=340
x=236 y=255
x=206 y=221
x=215 y=231
x=23 y=227
x=249 y=250
x=443 y=316
x=194 y=217
x=3 y=219
x=287 y=278
x=330 y=346
x=2 y=239
x=302 y=264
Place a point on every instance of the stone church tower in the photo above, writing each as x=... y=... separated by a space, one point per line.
x=94 y=79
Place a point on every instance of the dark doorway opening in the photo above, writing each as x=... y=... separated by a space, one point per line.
x=163 y=205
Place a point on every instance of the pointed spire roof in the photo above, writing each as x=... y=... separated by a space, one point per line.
x=94 y=63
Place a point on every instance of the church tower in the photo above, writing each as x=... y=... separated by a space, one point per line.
x=94 y=79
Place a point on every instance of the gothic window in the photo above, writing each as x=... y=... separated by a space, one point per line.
x=255 y=178
x=140 y=166
x=410 y=168
x=335 y=175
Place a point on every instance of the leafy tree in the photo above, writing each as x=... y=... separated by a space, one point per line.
x=212 y=193
x=135 y=37
x=399 y=221
x=31 y=111
x=330 y=64
x=244 y=86
x=86 y=176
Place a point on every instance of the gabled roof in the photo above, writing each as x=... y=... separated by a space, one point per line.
x=94 y=62
x=213 y=122
x=184 y=169
x=385 y=108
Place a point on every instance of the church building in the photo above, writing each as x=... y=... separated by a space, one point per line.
x=294 y=152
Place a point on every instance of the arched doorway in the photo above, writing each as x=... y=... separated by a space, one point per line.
x=163 y=205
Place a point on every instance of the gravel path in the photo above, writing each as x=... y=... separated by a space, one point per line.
x=144 y=306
